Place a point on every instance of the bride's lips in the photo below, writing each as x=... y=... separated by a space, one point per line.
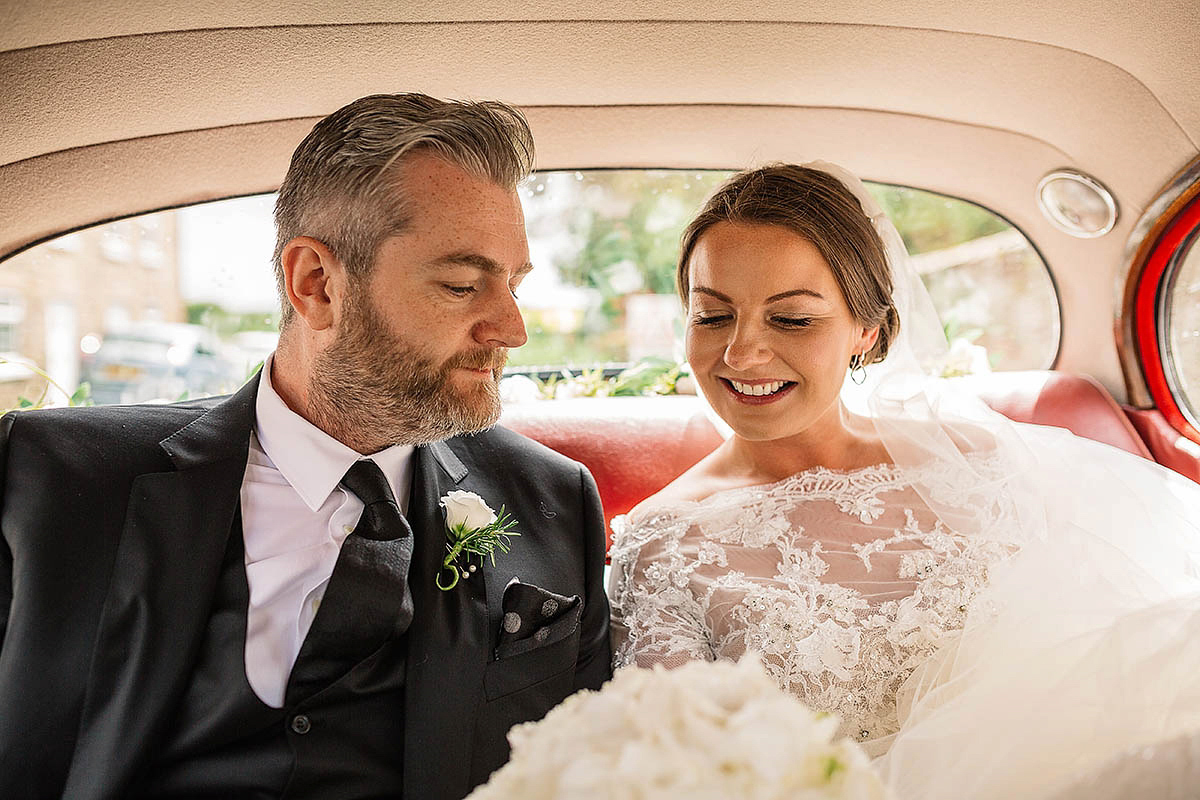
x=757 y=400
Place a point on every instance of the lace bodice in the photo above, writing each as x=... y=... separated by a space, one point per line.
x=844 y=582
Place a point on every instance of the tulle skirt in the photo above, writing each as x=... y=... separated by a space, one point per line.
x=1082 y=658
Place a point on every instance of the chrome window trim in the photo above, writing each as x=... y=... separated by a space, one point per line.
x=1170 y=371
x=1133 y=259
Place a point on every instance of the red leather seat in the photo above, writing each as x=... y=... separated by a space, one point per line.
x=1170 y=447
x=1075 y=402
x=634 y=446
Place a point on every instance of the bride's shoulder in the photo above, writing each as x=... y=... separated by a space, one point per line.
x=969 y=437
x=702 y=480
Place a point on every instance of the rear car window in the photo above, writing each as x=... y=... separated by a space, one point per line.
x=1181 y=307
x=181 y=304
x=610 y=241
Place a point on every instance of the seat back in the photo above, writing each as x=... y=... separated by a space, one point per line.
x=1075 y=402
x=1168 y=446
x=635 y=446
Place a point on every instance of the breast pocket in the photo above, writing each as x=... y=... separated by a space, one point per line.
x=540 y=659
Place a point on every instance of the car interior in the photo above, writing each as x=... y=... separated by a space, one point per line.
x=1076 y=123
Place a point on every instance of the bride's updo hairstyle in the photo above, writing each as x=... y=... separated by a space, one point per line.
x=818 y=207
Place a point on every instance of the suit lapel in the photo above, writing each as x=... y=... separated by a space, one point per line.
x=176 y=530
x=448 y=643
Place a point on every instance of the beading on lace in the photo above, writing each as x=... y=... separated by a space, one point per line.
x=844 y=582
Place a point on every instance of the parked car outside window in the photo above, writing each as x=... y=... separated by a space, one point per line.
x=158 y=361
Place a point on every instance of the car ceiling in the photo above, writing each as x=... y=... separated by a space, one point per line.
x=116 y=107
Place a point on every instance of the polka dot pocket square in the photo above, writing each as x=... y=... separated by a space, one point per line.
x=534 y=617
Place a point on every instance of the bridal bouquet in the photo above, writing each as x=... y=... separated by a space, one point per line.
x=704 y=730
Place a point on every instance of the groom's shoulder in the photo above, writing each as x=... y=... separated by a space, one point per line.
x=126 y=425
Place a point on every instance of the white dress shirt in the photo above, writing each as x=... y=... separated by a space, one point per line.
x=295 y=517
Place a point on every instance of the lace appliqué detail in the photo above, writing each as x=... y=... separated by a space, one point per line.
x=844 y=583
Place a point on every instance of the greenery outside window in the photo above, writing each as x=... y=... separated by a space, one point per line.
x=610 y=239
x=602 y=296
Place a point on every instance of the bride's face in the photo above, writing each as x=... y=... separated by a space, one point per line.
x=769 y=334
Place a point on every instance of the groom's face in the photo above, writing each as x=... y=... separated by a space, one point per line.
x=426 y=334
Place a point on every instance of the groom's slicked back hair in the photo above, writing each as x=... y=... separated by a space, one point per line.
x=342 y=187
x=818 y=207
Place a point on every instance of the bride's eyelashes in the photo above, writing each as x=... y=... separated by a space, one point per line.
x=710 y=319
x=785 y=322
x=792 y=322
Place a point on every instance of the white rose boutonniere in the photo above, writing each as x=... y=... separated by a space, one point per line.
x=473 y=529
x=466 y=510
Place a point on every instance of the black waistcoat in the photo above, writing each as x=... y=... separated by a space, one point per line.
x=344 y=741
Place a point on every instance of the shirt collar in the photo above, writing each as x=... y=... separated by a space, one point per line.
x=311 y=460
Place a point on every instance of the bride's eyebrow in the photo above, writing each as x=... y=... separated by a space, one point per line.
x=724 y=298
x=795 y=293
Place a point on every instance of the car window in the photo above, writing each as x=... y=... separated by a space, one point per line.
x=607 y=243
x=182 y=303
x=167 y=306
x=1182 y=315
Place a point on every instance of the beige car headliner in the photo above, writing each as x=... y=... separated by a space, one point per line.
x=116 y=107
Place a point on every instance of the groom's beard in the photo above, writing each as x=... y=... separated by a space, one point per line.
x=370 y=390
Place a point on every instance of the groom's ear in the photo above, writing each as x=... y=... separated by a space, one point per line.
x=315 y=281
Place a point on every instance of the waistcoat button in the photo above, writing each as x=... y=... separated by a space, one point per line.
x=301 y=724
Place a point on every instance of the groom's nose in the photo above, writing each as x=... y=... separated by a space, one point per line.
x=502 y=324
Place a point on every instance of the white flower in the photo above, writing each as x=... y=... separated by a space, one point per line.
x=964 y=358
x=466 y=509
x=566 y=390
x=519 y=389
x=705 y=730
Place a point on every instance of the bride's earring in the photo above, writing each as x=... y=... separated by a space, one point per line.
x=858 y=369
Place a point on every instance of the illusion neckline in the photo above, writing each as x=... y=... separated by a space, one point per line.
x=886 y=468
x=882 y=472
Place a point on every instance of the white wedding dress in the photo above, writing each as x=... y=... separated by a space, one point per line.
x=999 y=665
x=843 y=582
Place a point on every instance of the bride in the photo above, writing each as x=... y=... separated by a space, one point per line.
x=992 y=609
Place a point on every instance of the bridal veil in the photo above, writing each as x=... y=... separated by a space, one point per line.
x=1083 y=648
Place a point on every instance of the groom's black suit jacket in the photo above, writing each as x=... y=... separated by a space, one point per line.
x=114 y=524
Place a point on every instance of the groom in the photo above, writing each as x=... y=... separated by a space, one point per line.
x=242 y=597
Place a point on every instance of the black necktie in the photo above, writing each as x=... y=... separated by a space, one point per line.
x=367 y=601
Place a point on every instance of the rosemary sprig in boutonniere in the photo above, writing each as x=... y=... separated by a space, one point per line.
x=473 y=529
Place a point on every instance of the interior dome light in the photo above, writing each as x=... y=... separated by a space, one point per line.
x=1077 y=204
